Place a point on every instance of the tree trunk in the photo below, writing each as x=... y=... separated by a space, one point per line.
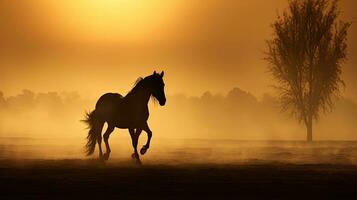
x=309 y=129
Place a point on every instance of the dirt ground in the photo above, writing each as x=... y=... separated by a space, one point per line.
x=120 y=179
x=187 y=169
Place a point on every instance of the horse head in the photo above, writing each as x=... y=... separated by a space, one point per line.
x=157 y=87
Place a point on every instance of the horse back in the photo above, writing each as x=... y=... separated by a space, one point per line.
x=114 y=108
x=108 y=101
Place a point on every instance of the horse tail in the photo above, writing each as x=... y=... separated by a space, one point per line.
x=93 y=122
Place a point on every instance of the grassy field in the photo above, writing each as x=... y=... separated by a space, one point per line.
x=190 y=169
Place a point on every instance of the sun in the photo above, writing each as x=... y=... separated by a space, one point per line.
x=113 y=20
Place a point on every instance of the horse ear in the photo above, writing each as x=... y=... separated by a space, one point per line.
x=162 y=74
x=154 y=72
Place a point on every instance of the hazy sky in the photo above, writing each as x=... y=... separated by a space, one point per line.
x=99 y=46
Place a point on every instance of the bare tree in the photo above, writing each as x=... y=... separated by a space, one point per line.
x=305 y=57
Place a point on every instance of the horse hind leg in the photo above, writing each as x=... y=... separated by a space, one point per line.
x=99 y=138
x=134 y=138
x=106 y=138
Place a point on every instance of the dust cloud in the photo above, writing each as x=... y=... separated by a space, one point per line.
x=236 y=127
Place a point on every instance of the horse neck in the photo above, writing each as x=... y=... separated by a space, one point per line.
x=141 y=94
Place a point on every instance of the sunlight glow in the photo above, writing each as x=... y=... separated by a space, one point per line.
x=114 y=20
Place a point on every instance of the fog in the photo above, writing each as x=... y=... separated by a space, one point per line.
x=231 y=127
x=236 y=115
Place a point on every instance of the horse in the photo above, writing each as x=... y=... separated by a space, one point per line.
x=129 y=112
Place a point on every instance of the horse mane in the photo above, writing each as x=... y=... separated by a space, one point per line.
x=137 y=84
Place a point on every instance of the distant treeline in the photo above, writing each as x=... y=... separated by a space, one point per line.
x=235 y=115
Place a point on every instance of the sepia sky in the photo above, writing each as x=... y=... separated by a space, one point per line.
x=99 y=46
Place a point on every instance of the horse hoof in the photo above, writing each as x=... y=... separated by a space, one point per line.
x=143 y=150
x=106 y=156
x=136 y=158
x=137 y=161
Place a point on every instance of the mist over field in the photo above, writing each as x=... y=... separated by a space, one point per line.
x=223 y=128
x=236 y=115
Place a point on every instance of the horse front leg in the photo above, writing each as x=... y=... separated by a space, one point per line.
x=147 y=145
x=134 y=139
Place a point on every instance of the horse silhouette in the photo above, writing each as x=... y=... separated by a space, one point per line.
x=130 y=112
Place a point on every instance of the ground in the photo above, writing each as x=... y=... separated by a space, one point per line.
x=44 y=179
x=179 y=169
